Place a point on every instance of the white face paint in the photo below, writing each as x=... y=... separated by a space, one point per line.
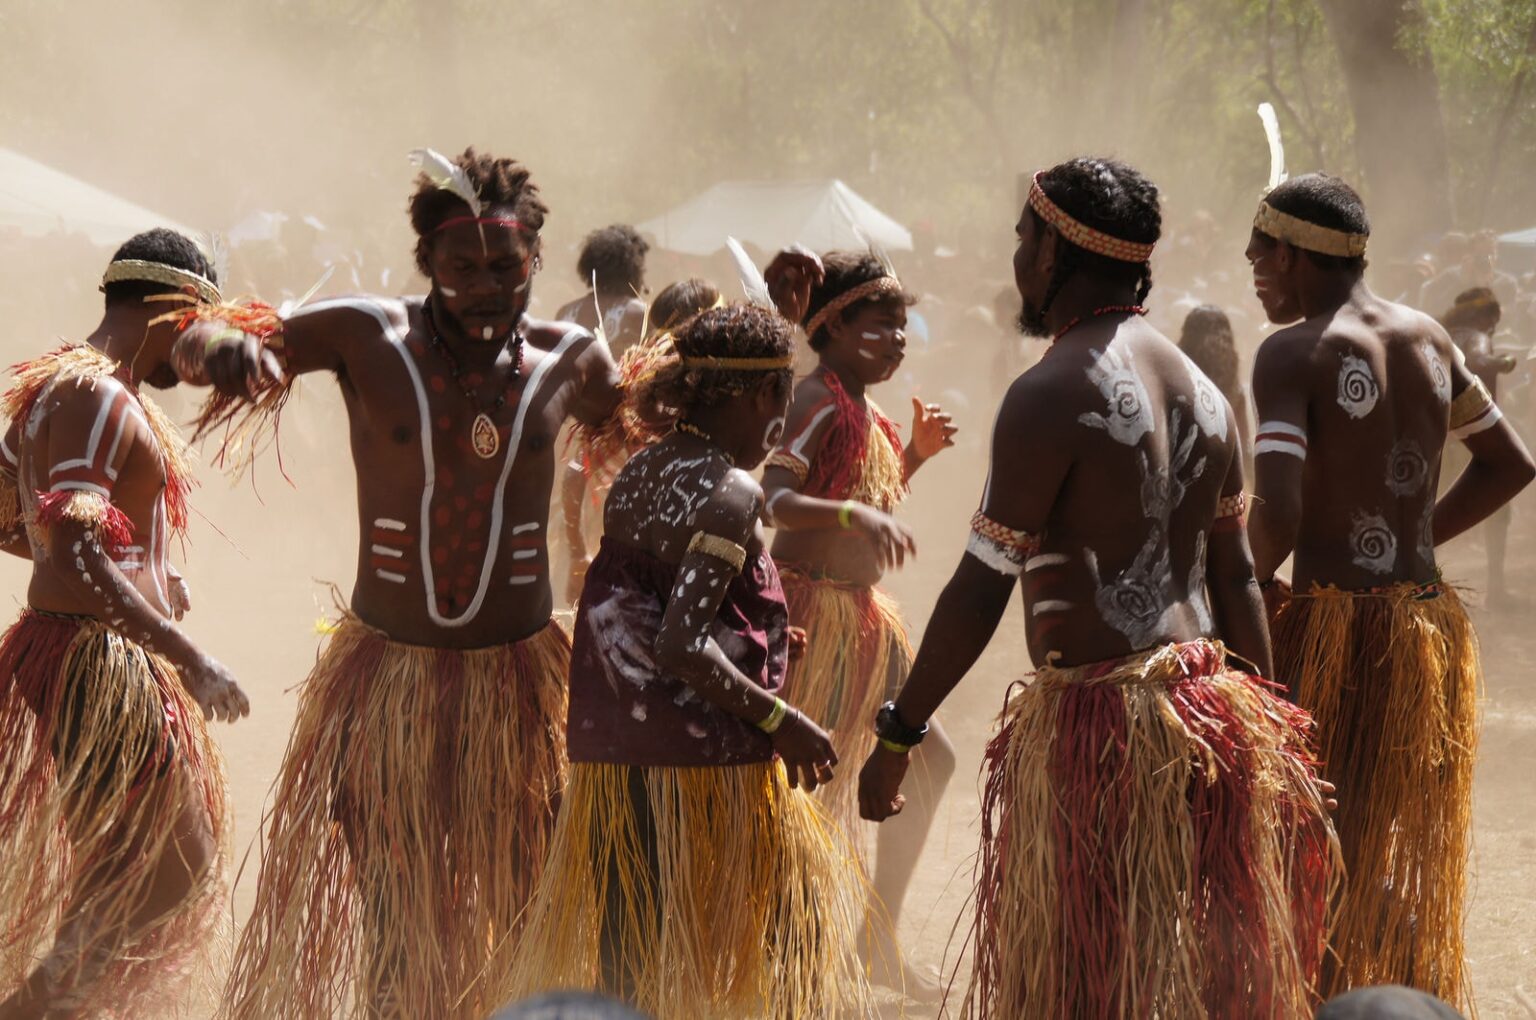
x=773 y=433
x=1372 y=544
x=447 y=292
x=1407 y=468
x=487 y=333
x=1358 y=391
x=1127 y=417
x=1439 y=375
x=1137 y=603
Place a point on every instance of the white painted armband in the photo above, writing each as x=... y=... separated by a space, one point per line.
x=1000 y=547
x=1281 y=437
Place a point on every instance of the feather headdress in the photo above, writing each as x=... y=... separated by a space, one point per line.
x=1277 y=173
x=448 y=175
x=752 y=282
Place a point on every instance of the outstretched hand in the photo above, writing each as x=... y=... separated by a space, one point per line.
x=790 y=276
x=933 y=429
x=179 y=592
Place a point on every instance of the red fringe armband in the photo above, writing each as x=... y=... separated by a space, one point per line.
x=88 y=508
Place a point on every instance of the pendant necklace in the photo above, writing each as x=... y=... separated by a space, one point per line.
x=484 y=436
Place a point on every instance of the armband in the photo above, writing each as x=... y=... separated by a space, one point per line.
x=1281 y=437
x=733 y=555
x=789 y=462
x=87 y=507
x=775 y=718
x=1000 y=547
x=1474 y=411
x=893 y=733
x=1230 y=511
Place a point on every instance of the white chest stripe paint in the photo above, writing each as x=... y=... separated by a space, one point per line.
x=530 y=392
x=1051 y=606
x=384 y=550
x=389 y=525
x=521 y=528
x=93 y=443
x=797 y=448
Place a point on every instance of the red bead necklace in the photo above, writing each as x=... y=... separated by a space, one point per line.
x=1097 y=313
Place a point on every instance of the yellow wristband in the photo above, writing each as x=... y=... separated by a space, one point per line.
x=775 y=718
x=895 y=748
x=845 y=514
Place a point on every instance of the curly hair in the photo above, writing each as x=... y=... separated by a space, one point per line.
x=845 y=270
x=734 y=331
x=1328 y=202
x=497 y=182
x=615 y=255
x=166 y=247
x=1207 y=338
x=1111 y=197
x=678 y=302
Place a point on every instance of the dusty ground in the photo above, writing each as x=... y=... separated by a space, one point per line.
x=261 y=586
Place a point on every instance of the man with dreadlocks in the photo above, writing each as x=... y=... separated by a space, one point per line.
x=112 y=794
x=413 y=810
x=601 y=452
x=1355 y=402
x=833 y=484
x=1154 y=840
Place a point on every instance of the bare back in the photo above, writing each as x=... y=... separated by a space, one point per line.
x=1364 y=394
x=1135 y=447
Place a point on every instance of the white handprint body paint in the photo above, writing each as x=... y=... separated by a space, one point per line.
x=1199 y=596
x=1128 y=415
x=1209 y=405
x=1372 y=544
x=1439 y=375
x=1358 y=391
x=1407 y=468
x=1139 y=602
x=619 y=623
x=1163 y=487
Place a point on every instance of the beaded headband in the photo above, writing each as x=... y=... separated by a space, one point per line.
x=880 y=286
x=1081 y=234
x=487 y=221
x=139 y=270
x=1292 y=230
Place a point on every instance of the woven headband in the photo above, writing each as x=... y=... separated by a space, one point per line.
x=138 y=270
x=740 y=364
x=487 y=221
x=1323 y=240
x=880 y=286
x=1082 y=235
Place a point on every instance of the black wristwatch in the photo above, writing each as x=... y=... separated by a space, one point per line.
x=894 y=733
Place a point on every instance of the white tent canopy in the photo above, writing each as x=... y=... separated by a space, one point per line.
x=40 y=200
x=1520 y=238
x=821 y=215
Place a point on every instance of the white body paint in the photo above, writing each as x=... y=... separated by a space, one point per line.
x=1163 y=487
x=1483 y=422
x=1128 y=414
x=774 y=433
x=1210 y=406
x=389 y=525
x=1045 y=560
x=1439 y=375
x=1358 y=391
x=1006 y=561
x=389 y=575
x=1139 y=601
x=1198 y=594
x=1372 y=544
x=1050 y=606
x=1407 y=468
x=1280 y=437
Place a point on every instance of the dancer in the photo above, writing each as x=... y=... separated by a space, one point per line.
x=612 y=264
x=686 y=875
x=602 y=451
x=412 y=812
x=1154 y=838
x=1206 y=337
x=112 y=791
x=832 y=487
x=1355 y=401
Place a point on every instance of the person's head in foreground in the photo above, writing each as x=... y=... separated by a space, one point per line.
x=857 y=317
x=1309 y=237
x=152 y=274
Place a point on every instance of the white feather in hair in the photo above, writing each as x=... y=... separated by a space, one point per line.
x=752 y=282
x=1277 y=173
x=448 y=175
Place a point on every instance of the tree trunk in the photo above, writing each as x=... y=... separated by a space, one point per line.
x=1399 y=128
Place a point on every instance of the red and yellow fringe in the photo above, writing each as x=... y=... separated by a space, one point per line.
x=1154 y=843
x=82 y=363
x=857 y=655
x=698 y=893
x=860 y=456
x=10 y=503
x=406 y=830
x=88 y=508
x=1392 y=679
x=603 y=450
x=107 y=762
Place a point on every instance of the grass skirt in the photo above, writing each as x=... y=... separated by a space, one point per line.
x=406 y=830
x=106 y=760
x=1154 y=844
x=1392 y=679
x=857 y=655
x=713 y=892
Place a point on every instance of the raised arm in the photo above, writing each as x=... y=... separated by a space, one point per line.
x=1501 y=465
x=686 y=647
x=80 y=524
x=1028 y=466
x=598 y=392
x=1237 y=605
x=1279 y=455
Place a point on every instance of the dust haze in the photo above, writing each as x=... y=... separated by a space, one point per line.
x=291 y=121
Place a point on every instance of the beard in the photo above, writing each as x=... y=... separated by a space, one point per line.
x=1031 y=322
